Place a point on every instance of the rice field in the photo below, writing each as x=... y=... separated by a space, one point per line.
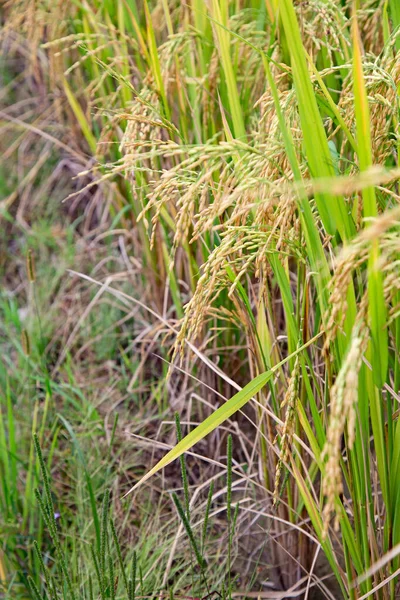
x=200 y=299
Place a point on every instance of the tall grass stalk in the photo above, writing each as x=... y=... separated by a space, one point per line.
x=253 y=149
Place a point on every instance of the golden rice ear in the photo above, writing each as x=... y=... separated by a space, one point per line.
x=290 y=402
x=354 y=256
x=343 y=400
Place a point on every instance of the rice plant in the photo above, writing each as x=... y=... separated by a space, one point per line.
x=243 y=157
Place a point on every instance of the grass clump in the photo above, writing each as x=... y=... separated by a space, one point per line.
x=231 y=222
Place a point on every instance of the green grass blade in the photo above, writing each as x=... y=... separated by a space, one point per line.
x=316 y=519
x=394 y=7
x=376 y=306
x=219 y=12
x=316 y=253
x=332 y=209
x=88 y=479
x=220 y=415
x=189 y=531
x=155 y=60
x=80 y=117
